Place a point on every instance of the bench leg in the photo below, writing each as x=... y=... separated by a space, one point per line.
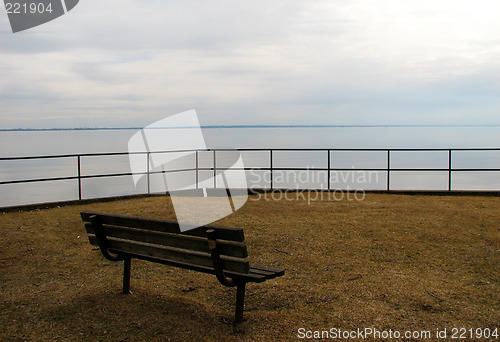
x=240 y=302
x=126 y=275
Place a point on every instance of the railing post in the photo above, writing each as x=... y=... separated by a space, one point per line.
x=388 y=170
x=329 y=171
x=79 y=178
x=148 y=155
x=449 y=170
x=196 y=165
x=271 y=166
x=215 y=170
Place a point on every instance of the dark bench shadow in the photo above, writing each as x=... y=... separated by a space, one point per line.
x=139 y=316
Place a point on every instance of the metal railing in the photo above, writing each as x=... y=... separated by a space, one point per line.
x=272 y=167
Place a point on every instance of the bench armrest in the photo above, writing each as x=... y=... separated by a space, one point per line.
x=103 y=241
x=214 y=252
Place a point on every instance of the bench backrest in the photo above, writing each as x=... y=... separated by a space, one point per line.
x=162 y=241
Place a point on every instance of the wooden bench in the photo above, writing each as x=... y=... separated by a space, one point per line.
x=208 y=249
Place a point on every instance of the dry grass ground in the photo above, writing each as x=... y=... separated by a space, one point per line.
x=400 y=262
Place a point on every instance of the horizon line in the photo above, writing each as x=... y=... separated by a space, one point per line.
x=246 y=126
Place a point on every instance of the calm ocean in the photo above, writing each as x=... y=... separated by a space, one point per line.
x=41 y=143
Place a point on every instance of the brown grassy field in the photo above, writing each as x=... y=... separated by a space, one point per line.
x=390 y=261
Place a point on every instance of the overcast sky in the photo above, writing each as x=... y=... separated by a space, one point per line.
x=120 y=63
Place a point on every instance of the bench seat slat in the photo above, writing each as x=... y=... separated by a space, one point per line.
x=223 y=233
x=174 y=254
x=278 y=271
x=267 y=274
x=247 y=277
x=228 y=248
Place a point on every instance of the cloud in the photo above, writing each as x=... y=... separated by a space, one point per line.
x=123 y=62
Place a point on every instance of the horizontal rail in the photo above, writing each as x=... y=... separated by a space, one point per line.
x=251 y=150
x=51 y=179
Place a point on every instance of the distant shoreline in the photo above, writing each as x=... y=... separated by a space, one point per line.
x=239 y=126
